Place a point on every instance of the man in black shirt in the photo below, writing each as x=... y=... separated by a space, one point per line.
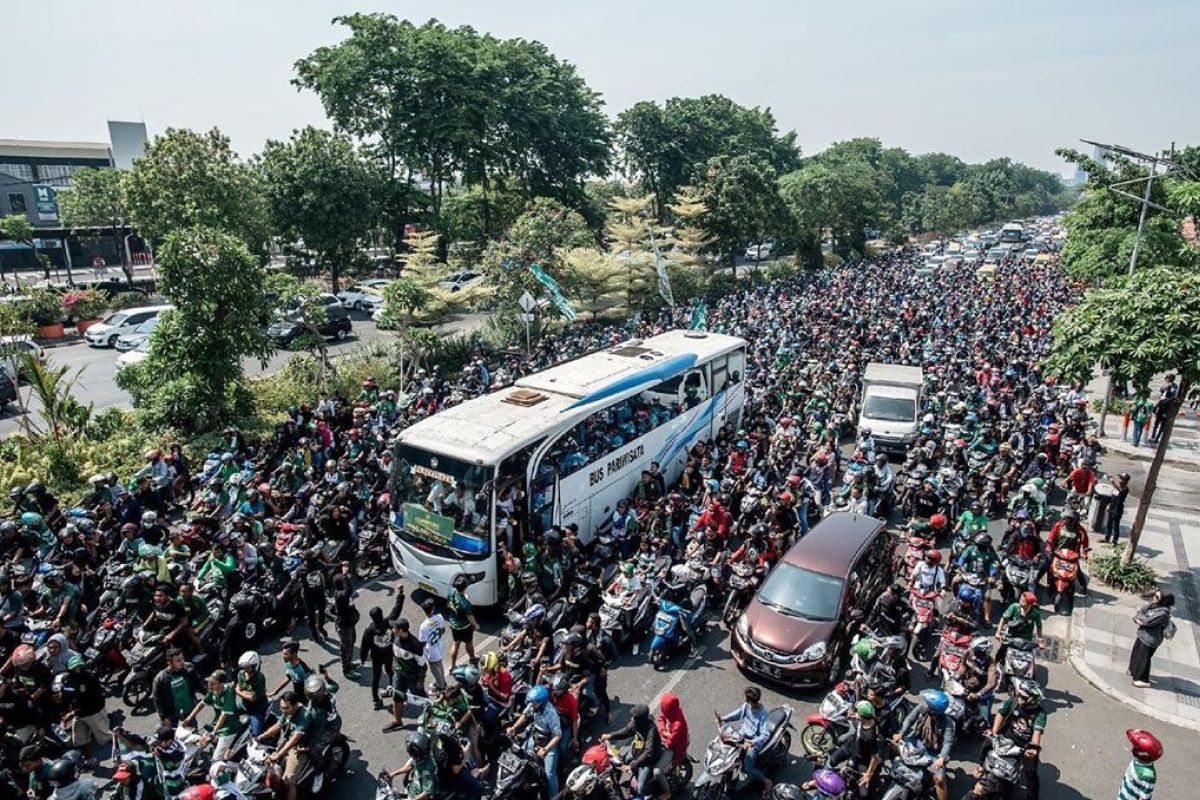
x=862 y=747
x=167 y=617
x=87 y=717
x=17 y=712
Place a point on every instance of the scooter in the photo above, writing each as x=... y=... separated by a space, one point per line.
x=1001 y=768
x=832 y=719
x=669 y=637
x=1019 y=574
x=1018 y=661
x=723 y=773
x=740 y=587
x=924 y=603
x=145 y=659
x=1065 y=570
x=908 y=772
x=519 y=774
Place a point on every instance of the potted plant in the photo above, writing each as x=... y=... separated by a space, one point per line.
x=85 y=306
x=45 y=310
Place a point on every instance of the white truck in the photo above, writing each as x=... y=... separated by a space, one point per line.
x=891 y=405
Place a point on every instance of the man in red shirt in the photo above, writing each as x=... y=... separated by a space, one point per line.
x=1082 y=480
x=568 y=714
x=1069 y=534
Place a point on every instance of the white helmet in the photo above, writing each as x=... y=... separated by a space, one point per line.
x=582 y=780
x=249 y=660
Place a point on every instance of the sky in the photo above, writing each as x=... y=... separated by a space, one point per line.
x=976 y=78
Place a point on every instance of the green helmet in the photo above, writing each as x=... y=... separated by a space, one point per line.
x=627 y=568
x=864 y=649
x=529 y=549
x=864 y=709
x=75 y=661
x=1039 y=483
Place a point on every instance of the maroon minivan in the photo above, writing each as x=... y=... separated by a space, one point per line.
x=794 y=631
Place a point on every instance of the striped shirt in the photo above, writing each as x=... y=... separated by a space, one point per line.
x=1138 y=783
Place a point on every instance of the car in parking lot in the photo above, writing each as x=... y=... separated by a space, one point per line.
x=135 y=356
x=140 y=335
x=120 y=323
x=288 y=328
x=797 y=629
x=12 y=350
x=759 y=252
x=8 y=389
x=365 y=296
x=460 y=280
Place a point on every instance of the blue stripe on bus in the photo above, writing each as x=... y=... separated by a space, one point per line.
x=655 y=373
x=704 y=418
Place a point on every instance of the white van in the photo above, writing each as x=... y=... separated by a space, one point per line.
x=120 y=323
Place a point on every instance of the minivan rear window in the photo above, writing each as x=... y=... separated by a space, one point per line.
x=797 y=592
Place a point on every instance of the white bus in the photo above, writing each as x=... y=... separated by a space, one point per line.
x=560 y=447
x=1012 y=233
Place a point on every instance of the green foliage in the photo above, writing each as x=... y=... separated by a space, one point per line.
x=840 y=196
x=192 y=379
x=321 y=189
x=194 y=180
x=669 y=146
x=453 y=104
x=42 y=306
x=302 y=301
x=17 y=228
x=1136 y=577
x=82 y=304
x=62 y=415
x=14 y=322
x=126 y=300
x=96 y=199
x=743 y=201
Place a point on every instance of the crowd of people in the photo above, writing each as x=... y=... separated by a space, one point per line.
x=163 y=593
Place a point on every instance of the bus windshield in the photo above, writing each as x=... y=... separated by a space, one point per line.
x=441 y=505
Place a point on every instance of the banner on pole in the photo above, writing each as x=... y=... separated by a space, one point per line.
x=556 y=296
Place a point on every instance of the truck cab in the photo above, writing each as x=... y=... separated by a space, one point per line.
x=891 y=405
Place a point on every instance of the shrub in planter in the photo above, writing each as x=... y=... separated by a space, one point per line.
x=43 y=308
x=85 y=306
x=1136 y=577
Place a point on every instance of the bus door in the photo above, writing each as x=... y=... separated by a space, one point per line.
x=543 y=499
x=580 y=513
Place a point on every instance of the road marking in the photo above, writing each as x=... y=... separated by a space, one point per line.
x=675 y=679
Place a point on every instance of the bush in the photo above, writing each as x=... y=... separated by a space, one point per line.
x=83 y=304
x=42 y=307
x=126 y=300
x=781 y=270
x=65 y=465
x=1136 y=577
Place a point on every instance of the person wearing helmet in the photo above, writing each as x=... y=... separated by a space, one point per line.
x=12 y=606
x=566 y=703
x=250 y=691
x=980 y=558
x=297 y=733
x=497 y=682
x=863 y=749
x=58 y=601
x=642 y=729
x=545 y=732
x=1029 y=500
x=926 y=502
x=222 y=699
x=460 y=617
x=1068 y=534
x=883 y=481
x=423 y=785
x=753 y=731
x=972 y=521
x=1081 y=483
x=1022 y=718
x=86 y=716
x=929 y=722
x=1141 y=775
x=928 y=573
x=890 y=614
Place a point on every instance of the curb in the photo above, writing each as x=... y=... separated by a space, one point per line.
x=66 y=341
x=1080 y=665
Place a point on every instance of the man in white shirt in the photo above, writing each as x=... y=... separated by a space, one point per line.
x=432 y=634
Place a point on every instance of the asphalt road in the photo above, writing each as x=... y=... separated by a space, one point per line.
x=97 y=378
x=1085 y=751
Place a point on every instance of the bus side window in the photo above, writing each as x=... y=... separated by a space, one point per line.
x=719 y=376
x=694 y=390
x=737 y=366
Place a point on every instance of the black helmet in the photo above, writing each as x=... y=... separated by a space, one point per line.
x=461 y=581
x=62 y=772
x=1071 y=513
x=575 y=639
x=560 y=683
x=983 y=540
x=418 y=745
x=35 y=488
x=976 y=508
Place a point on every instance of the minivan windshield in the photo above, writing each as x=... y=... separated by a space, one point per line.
x=117 y=319
x=890 y=409
x=797 y=592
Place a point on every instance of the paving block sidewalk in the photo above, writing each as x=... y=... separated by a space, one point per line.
x=1103 y=631
x=1183 y=448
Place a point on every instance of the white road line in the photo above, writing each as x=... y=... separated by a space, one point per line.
x=674 y=681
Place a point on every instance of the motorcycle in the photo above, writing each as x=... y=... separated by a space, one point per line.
x=374 y=557
x=822 y=730
x=723 y=771
x=971 y=591
x=952 y=649
x=519 y=774
x=145 y=659
x=908 y=773
x=1001 y=768
x=1018 y=661
x=669 y=637
x=740 y=587
x=1064 y=570
x=1018 y=575
x=102 y=652
x=924 y=603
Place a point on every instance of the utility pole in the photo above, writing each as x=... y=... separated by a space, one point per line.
x=1154 y=160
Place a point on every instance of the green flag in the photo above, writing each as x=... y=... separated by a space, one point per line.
x=556 y=296
x=700 y=317
x=664 y=280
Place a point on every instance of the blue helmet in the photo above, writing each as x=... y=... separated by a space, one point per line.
x=936 y=700
x=540 y=695
x=967 y=593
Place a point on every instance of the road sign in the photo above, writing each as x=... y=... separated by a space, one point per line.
x=527 y=317
x=526 y=302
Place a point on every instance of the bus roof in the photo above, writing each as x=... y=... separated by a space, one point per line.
x=488 y=428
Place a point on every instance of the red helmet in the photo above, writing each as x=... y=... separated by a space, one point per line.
x=202 y=791
x=1029 y=598
x=793 y=480
x=785 y=421
x=933 y=555
x=938 y=520
x=785 y=497
x=24 y=655
x=354 y=433
x=1146 y=746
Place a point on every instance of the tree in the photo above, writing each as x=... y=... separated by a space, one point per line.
x=19 y=229
x=438 y=105
x=628 y=232
x=418 y=295
x=1147 y=324
x=192 y=379
x=194 y=180
x=319 y=188
x=744 y=202
x=96 y=199
x=596 y=278
x=301 y=301
x=669 y=146
x=690 y=238
x=841 y=197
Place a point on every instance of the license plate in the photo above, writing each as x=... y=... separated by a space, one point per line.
x=427 y=587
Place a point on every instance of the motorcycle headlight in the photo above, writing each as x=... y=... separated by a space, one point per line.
x=743 y=627
x=812 y=653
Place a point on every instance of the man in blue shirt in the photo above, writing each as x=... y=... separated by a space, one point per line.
x=753 y=731
x=545 y=734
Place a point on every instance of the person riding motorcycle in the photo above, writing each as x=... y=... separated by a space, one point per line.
x=1022 y=718
x=545 y=732
x=1068 y=534
x=980 y=558
x=646 y=749
x=928 y=574
x=863 y=748
x=929 y=723
x=753 y=732
x=972 y=521
x=1028 y=499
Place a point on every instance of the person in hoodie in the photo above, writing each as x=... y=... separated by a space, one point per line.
x=647 y=746
x=376 y=645
x=673 y=728
x=1154 y=624
x=56 y=654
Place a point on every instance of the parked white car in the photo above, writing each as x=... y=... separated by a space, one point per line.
x=365 y=296
x=759 y=252
x=460 y=280
x=134 y=356
x=120 y=323
x=12 y=348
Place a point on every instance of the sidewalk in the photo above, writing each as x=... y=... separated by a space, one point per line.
x=1103 y=631
x=1183 y=447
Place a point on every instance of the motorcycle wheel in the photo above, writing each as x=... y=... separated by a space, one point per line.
x=711 y=791
x=816 y=740
x=335 y=760
x=658 y=657
x=730 y=614
x=680 y=776
x=136 y=694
